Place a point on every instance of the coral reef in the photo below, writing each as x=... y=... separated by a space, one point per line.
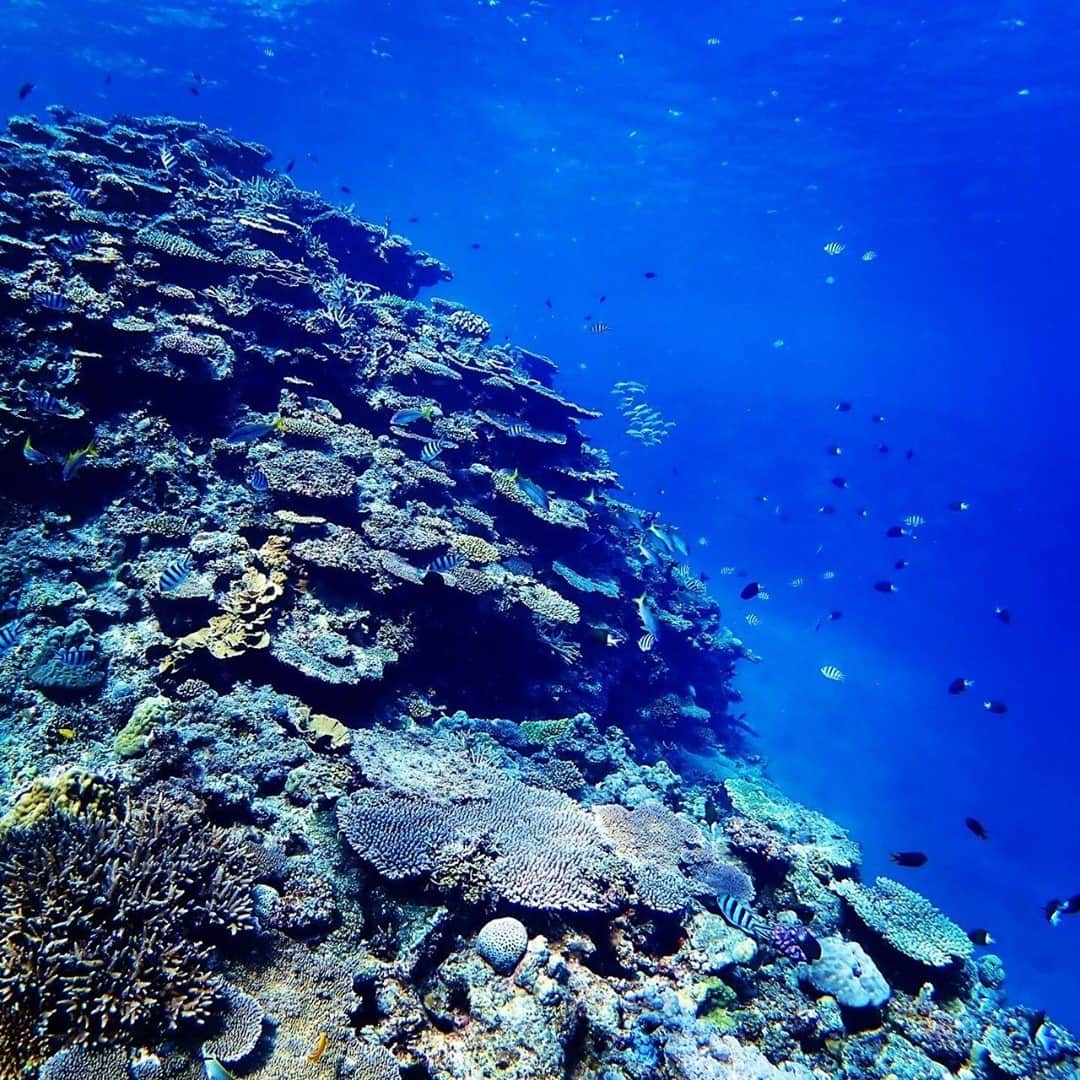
x=319 y=637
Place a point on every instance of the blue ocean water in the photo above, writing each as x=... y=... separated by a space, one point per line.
x=554 y=154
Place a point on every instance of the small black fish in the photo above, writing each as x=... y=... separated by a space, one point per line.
x=834 y=451
x=548 y=303
x=862 y=511
x=826 y=509
x=980 y=937
x=885 y=586
x=108 y=79
x=475 y=247
x=958 y=686
x=650 y=274
x=1003 y=614
x=909 y=454
x=894 y=531
x=839 y=481
x=750 y=591
x=843 y=406
x=959 y=505
x=999 y=708
x=1054 y=909
x=882 y=448
x=413 y=220
x=910 y=859
x=832 y=616
x=345 y=189
x=194 y=90
x=603 y=298
x=25 y=90
x=878 y=418
x=290 y=165
x=901 y=564
x=977 y=827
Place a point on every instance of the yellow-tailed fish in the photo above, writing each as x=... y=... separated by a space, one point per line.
x=76 y=460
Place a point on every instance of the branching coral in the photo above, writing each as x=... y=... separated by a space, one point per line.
x=109 y=924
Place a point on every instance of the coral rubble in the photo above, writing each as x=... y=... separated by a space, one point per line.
x=325 y=633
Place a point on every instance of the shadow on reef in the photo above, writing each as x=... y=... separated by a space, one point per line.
x=344 y=698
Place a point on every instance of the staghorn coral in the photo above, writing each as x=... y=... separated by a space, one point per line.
x=110 y=924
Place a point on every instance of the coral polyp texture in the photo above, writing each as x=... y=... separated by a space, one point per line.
x=327 y=742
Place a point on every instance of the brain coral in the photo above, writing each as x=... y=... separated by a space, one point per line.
x=109 y=924
x=906 y=919
x=848 y=974
x=241 y=1029
x=502 y=943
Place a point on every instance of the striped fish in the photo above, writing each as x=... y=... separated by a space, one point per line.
x=258 y=480
x=43 y=401
x=517 y=430
x=869 y=256
x=175 y=574
x=77 y=656
x=797 y=583
x=75 y=193
x=833 y=674
x=53 y=301
x=913 y=521
x=10 y=635
x=168 y=159
x=444 y=564
x=599 y=328
x=763 y=595
x=646 y=642
x=727 y=570
x=433 y=448
x=752 y=619
x=739 y=915
x=76 y=241
x=833 y=247
x=828 y=575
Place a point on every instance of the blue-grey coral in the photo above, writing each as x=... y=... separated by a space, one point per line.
x=846 y=973
x=906 y=920
x=502 y=943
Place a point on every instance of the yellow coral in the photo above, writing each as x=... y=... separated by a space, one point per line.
x=474 y=548
x=548 y=603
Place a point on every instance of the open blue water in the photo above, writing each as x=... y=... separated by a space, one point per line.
x=583 y=144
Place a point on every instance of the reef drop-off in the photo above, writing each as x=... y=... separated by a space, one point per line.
x=306 y=580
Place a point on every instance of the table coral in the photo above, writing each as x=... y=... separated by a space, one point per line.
x=906 y=920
